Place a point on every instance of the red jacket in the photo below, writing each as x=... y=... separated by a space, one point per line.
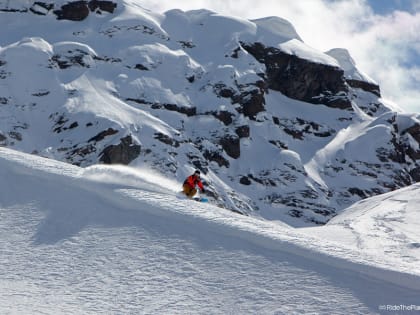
x=192 y=181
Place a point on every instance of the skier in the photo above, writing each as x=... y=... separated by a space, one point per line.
x=190 y=182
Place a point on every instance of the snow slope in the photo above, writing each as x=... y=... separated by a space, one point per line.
x=385 y=225
x=79 y=240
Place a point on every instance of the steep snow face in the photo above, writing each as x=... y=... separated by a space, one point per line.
x=278 y=129
x=112 y=239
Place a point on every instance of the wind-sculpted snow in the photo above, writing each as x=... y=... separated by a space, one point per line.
x=80 y=242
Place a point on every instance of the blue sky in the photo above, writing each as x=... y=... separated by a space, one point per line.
x=382 y=36
x=388 y=6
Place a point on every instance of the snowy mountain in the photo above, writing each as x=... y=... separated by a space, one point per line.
x=112 y=240
x=280 y=131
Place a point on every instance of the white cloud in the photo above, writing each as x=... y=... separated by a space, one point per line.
x=391 y=55
x=415 y=5
x=385 y=47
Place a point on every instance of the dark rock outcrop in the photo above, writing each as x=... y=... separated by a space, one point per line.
x=224 y=116
x=414 y=131
x=73 y=11
x=243 y=131
x=249 y=96
x=245 y=181
x=301 y=79
x=122 y=153
x=167 y=140
x=73 y=57
x=100 y=136
x=252 y=102
x=215 y=156
x=415 y=174
x=189 y=111
x=365 y=86
x=79 y=10
x=231 y=145
x=107 y=6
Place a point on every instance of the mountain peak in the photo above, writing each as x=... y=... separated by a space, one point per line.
x=278 y=129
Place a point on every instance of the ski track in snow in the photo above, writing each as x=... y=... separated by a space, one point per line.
x=72 y=245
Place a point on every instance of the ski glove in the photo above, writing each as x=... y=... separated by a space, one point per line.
x=203 y=191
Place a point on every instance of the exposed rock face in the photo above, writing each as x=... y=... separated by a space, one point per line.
x=73 y=11
x=100 y=136
x=415 y=174
x=107 y=6
x=122 y=153
x=71 y=58
x=252 y=102
x=365 y=86
x=231 y=145
x=79 y=10
x=414 y=131
x=249 y=96
x=224 y=116
x=301 y=79
x=353 y=76
x=189 y=111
